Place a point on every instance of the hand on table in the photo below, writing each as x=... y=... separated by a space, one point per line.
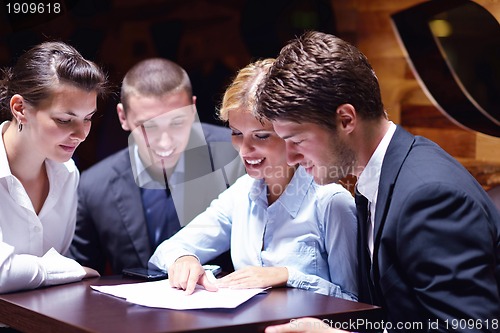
x=303 y=325
x=90 y=273
x=186 y=272
x=255 y=277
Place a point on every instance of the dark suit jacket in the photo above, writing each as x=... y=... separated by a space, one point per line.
x=436 y=238
x=111 y=227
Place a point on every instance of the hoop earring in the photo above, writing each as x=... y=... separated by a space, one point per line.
x=20 y=127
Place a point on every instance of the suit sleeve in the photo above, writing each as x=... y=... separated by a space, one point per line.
x=207 y=236
x=445 y=242
x=86 y=248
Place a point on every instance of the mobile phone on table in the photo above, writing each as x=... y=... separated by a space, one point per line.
x=215 y=269
x=145 y=273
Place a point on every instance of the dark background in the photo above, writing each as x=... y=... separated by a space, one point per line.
x=211 y=39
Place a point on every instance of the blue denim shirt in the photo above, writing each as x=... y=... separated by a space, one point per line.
x=310 y=230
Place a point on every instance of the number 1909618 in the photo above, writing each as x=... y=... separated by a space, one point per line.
x=33 y=8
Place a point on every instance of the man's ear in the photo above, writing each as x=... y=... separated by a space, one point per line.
x=195 y=110
x=347 y=118
x=17 y=108
x=122 y=117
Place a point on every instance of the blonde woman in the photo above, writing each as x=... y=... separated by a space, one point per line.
x=282 y=228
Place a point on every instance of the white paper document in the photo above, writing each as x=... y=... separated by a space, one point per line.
x=159 y=294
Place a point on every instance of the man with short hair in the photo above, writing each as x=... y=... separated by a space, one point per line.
x=172 y=169
x=429 y=235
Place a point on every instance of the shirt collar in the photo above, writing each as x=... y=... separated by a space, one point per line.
x=141 y=175
x=56 y=172
x=369 y=179
x=143 y=178
x=293 y=196
x=4 y=162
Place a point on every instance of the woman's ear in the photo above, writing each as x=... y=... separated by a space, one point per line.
x=347 y=117
x=17 y=108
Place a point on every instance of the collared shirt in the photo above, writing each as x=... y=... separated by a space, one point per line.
x=29 y=243
x=310 y=230
x=144 y=179
x=370 y=177
x=162 y=221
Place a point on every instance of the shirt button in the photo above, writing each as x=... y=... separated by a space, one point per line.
x=36 y=229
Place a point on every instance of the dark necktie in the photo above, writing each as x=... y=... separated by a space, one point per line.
x=161 y=216
x=366 y=289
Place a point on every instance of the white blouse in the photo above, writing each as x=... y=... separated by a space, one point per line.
x=30 y=244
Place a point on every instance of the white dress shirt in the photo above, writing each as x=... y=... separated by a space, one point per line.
x=310 y=230
x=368 y=180
x=30 y=244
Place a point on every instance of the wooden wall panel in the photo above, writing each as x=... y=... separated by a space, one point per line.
x=425 y=116
x=458 y=143
x=405 y=100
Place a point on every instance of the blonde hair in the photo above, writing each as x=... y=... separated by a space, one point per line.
x=241 y=93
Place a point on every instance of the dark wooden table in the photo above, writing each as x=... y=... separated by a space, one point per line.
x=75 y=307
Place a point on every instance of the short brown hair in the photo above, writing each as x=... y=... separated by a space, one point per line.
x=154 y=77
x=312 y=76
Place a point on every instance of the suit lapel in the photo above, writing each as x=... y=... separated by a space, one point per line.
x=399 y=148
x=127 y=196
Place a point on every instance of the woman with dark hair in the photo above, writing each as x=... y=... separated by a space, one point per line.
x=51 y=96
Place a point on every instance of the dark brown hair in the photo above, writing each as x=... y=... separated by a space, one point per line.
x=39 y=70
x=312 y=76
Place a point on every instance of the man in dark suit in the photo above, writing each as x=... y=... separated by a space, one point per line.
x=429 y=240
x=172 y=169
